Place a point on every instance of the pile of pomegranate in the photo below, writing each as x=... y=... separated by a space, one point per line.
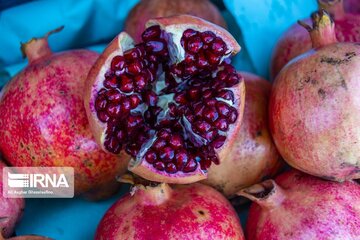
x=164 y=109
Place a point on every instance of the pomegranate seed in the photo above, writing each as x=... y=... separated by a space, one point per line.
x=205 y=164
x=113 y=110
x=232 y=80
x=177 y=70
x=194 y=44
x=190 y=58
x=112 y=145
x=140 y=82
x=208 y=37
x=134 y=101
x=210 y=114
x=181 y=159
x=170 y=168
x=202 y=62
x=218 y=142
x=100 y=103
x=226 y=94
x=157 y=47
x=199 y=108
x=180 y=98
x=132 y=149
x=134 y=121
x=222 y=124
x=135 y=67
x=202 y=126
x=190 y=166
x=233 y=115
x=114 y=96
x=218 y=46
x=150 y=98
x=207 y=94
x=176 y=141
x=121 y=135
x=190 y=69
x=223 y=108
x=172 y=109
x=125 y=106
x=150 y=33
x=126 y=84
x=212 y=58
x=133 y=54
x=102 y=116
x=111 y=82
x=150 y=76
x=164 y=134
x=159 y=166
x=189 y=33
x=194 y=94
x=150 y=156
x=210 y=136
x=117 y=63
x=167 y=154
x=222 y=76
x=159 y=144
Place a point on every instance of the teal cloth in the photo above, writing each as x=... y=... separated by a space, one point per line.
x=256 y=24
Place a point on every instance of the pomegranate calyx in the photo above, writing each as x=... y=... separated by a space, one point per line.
x=334 y=7
x=322 y=32
x=152 y=195
x=267 y=194
x=38 y=48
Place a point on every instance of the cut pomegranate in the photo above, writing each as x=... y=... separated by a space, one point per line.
x=174 y=104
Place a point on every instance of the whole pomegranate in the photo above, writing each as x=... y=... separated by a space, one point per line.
x=254 y=155
x=172 y=102
x=11 y=209
x=43 y=120
x=149 y=9
x=314 y=110
x=298 y=206
x=171 y=212
x=352 y=6
x=297 y=41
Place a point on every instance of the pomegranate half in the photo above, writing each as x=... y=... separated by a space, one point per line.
x=164 y=212
x=297 y=41
x=150 y=9
x=172 y=102
x=254 y=155
x=43 y=120
x=297 y=206
x=314 y=111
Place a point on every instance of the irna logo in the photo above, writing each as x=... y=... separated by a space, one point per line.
x=18 y=180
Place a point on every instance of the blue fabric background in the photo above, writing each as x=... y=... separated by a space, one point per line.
x=256 y=24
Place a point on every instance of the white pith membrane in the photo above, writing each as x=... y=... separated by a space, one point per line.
x=138 y=164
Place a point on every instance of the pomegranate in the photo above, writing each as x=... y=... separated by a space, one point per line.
x=352 y=6
x=296 y=40
x=149 y=9
x=160 y=211
x=298 y=206
x=43 y=120
x=11 y=209
x=253 y=156
x=315 y=106
x=173 y=102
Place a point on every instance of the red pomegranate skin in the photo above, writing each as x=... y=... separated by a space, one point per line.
x=43 y=121
x=302 y=207
x=149 y=9
x=179 y=212
x=11 y=209
x=253 y=155
x=296 y=40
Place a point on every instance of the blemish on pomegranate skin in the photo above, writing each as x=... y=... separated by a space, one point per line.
x=322 y=93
